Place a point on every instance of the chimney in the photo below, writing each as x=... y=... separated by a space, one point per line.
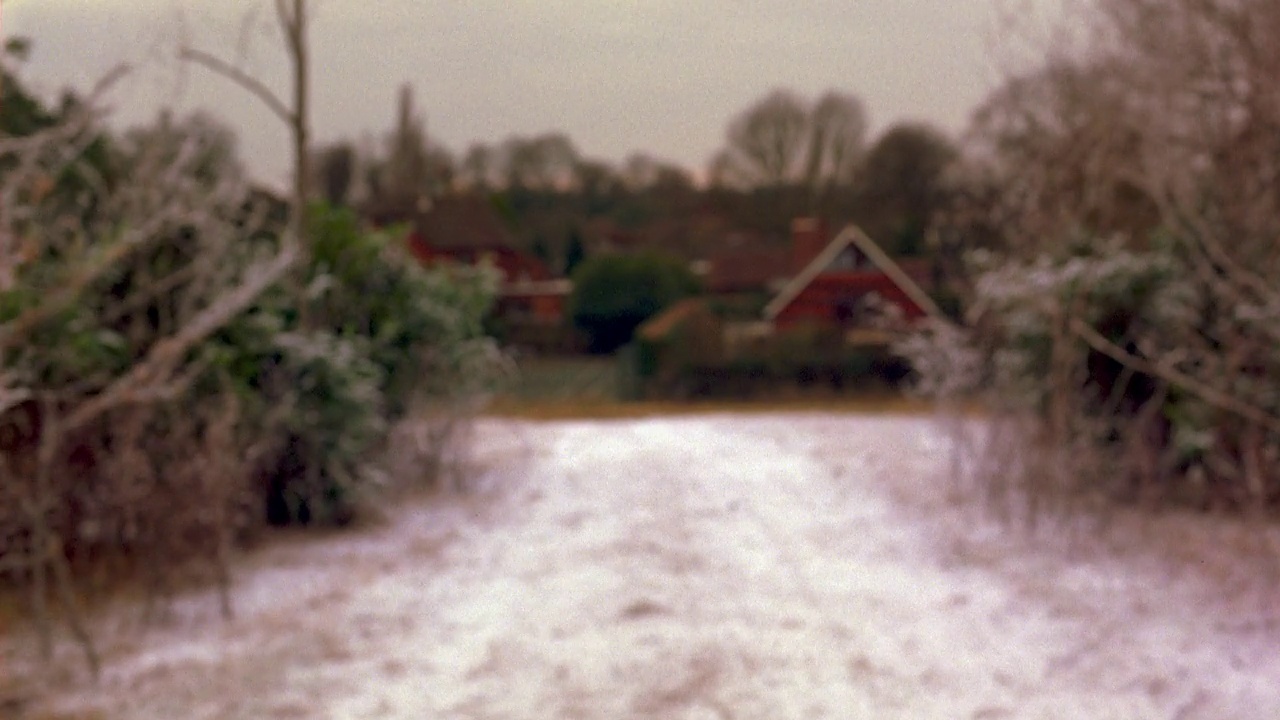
x=808 y=238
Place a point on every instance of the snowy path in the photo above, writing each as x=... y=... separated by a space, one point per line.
x=771 y=567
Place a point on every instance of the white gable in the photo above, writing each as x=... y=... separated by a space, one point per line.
x=863 y=250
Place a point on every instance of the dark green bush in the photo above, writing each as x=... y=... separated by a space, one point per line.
x=614 y=294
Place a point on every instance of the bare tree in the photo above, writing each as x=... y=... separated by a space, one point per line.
x=292 y=19
x=336 y=168
x=542 y=162
x=413 y=171
x=409 y=171
x=783 y=140
x=837 y=138
x=765 y=145
x=639 y=171
x=642 y=172
x=479 y=167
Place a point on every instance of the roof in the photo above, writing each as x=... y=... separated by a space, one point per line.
x=747 y=268
x=743 y=260
x=661 y=325
x=463 y=222
x=852 y=235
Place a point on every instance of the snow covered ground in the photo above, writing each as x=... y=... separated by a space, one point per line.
x=776 y=566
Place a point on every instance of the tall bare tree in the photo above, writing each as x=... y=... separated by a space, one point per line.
x=783 y=140
x=336 y=170
x=543 y=162
x=837 y=137
x=643 y=172
x=404 y=181
x=293 y=21
x=479 y=168
x=765 y=144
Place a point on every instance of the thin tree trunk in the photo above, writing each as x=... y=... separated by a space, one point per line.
x=71 y=606
x=49 y=555
x=301 y=131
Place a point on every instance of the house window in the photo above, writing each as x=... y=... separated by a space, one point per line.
x=849 y=260
x=849 y=311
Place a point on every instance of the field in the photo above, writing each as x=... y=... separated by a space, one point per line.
x=563 y=379
x=747 y=566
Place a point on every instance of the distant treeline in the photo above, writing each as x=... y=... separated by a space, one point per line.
x=783 y=157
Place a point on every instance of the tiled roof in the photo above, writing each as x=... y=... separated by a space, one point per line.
x=463 y=222
x=747 y=268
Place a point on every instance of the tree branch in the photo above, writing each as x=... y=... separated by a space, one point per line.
x=1173 y=376
x=241 y=78
x=287 y=21
x=16 y=331
x=141 y=382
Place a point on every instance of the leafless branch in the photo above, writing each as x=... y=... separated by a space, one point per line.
x=1175 y=377
x=140 y=383
x=241 y=78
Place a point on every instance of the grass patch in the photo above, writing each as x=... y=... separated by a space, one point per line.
x=586 y=388
x=573 y=379
x=616 y=409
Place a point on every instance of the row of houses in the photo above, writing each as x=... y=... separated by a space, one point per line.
x=843 y=278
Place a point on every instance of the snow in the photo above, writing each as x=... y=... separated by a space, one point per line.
x=772 y=566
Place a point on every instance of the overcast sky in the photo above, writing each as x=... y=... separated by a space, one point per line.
x=662 y=76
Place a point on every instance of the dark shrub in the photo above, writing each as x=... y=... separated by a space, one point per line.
x=614 y=294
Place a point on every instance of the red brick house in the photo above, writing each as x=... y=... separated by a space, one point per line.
x=465 y=229
x=847 y=281
x=746 y=264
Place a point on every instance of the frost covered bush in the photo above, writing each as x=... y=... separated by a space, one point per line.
x=1130 y=379
x=376 y=337
x=169 y=364
x=1124 y=322
x=120 y=258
